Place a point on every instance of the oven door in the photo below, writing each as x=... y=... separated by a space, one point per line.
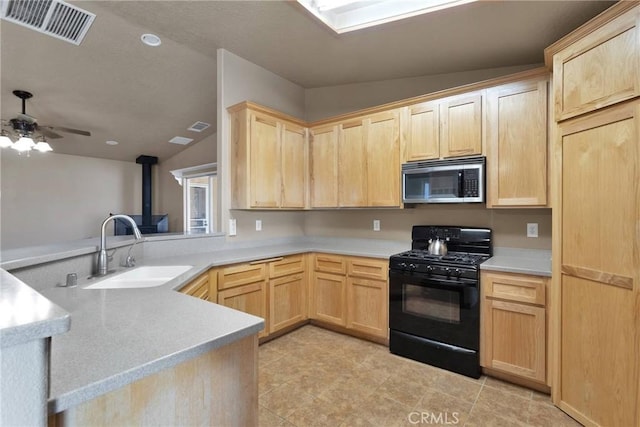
x=442 y=310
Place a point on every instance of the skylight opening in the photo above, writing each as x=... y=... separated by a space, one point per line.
x=349 y=15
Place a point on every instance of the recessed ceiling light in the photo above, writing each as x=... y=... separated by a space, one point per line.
x=180 y=140
x=151 y=40
x=198 y=126
x=110 y=142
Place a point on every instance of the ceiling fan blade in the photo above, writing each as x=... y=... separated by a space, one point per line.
x=46 y=131
x=66 y=129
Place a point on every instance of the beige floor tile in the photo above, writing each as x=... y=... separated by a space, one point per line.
x=382 y=411
x=284 y=400
x=266 y=418
x=404 y=390
x=314 y=381
x=318 y=413
x=504 y=403
x=350 y=389
x=505 y=386
x=481 y=416
x=268 y=353
x=457 y=386
x=545 y=415
x=539 y=397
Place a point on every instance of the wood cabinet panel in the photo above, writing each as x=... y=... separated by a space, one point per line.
x=286 y=301
x=383 y=160
x=461 y=126
x=328 y=300
x=515 y=287
x=198 y=287
x=240 y=274
x=352 y=165
x=250 y=299
x=330 y=264
x=599 y=70
x=517 y=144
x=287 y=265
x=367 y=302
x=368 y=268
x=421 y=132
x=515 y=336
x=324 y=167
x=294 y=166
x=265 y=161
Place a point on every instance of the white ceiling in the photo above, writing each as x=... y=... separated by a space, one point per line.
x=120 y=89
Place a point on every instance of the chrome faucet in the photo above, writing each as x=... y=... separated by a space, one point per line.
x=103 y=258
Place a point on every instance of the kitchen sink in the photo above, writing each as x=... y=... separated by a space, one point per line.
x=141 y=277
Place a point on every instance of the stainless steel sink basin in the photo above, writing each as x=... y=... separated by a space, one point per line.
x=141 y=277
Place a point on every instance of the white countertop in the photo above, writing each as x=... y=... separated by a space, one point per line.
x=523 y=261
x=25 y=315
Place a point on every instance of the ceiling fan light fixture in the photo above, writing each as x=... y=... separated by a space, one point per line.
x=43 y=146
x=23 y=144
x=5 y=141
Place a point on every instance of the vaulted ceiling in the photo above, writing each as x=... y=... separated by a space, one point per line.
x=120 y=89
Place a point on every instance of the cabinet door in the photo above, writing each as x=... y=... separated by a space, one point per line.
x=324 y=167
x=328 y=299
x=352 y=165
x=383 y=159
x=600 y=266
x=517 y=144
x=266 y=183
x=421 y=132
x=286 y=301
x=286 y=266
x=599 y=70
x=368 y=306
x=514 y=338
x=293 y=166
x=368 y=268
x=198 y=287
x=335 y=264
x=240 y=274
x=250 y=299
x=461 y=126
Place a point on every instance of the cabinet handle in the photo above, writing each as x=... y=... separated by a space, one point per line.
x=264 y=261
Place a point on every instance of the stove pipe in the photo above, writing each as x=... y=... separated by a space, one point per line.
x=146 y=162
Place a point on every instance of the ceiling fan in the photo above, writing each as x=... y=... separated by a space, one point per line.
x=26 y=125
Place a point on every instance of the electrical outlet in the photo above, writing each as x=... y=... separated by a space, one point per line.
x=376 y=225
x=232 y=227
x=532 y=229
x=258 y=225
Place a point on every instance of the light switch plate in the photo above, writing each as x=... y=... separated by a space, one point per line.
x=258 y=225
x=532 y=229
x=376 y=225
x=232 y=227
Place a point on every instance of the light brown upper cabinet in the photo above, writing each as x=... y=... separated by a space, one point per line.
x=356 y=163
x=324 y=166
x=448 y=127
x=517 y=153
x=582 y=80
x=269 y=159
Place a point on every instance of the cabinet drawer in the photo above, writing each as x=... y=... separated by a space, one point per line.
x=368 y=268
x=287 y=265
x=240 y=274
x=514 y=287
x=330 y=264
x=198 y=287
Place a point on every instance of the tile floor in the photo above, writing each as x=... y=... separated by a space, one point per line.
x=315 y=377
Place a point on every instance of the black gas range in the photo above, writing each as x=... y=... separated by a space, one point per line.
x=434 y=300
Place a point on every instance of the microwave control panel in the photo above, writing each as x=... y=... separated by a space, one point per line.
x=471 y=183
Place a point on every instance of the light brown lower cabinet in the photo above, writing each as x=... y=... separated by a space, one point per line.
x=351 y=292
x=287 y=299
x=513 y=325
x=251 y=298
x=204 y=286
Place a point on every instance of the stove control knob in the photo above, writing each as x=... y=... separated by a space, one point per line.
x=402 y=265
x=429 y=269
x=412 y=266
x=447 y=271
x=457 y=273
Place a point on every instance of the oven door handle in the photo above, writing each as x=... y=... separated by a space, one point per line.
x=441 y=284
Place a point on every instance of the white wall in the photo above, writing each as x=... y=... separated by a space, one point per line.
x=52 y=198
x=168 y=192
x=325 y=102
x=240 y=80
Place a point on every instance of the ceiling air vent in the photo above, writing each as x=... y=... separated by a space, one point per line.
x=198 y=126
x=53 y=17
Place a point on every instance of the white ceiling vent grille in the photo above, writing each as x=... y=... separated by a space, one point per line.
x=53 y=17
x=198 y=126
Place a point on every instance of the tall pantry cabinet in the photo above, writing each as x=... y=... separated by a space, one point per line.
x=596 y=220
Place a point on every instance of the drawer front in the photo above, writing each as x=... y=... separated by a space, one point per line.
x=198 y=287
x=368 y=268
x=330 y=264
x=287 y=265
x=514 y=287
x=240 y=274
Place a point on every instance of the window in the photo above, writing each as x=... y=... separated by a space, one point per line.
x=199 y=189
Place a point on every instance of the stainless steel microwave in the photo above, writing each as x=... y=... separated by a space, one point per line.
x=444 y=181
